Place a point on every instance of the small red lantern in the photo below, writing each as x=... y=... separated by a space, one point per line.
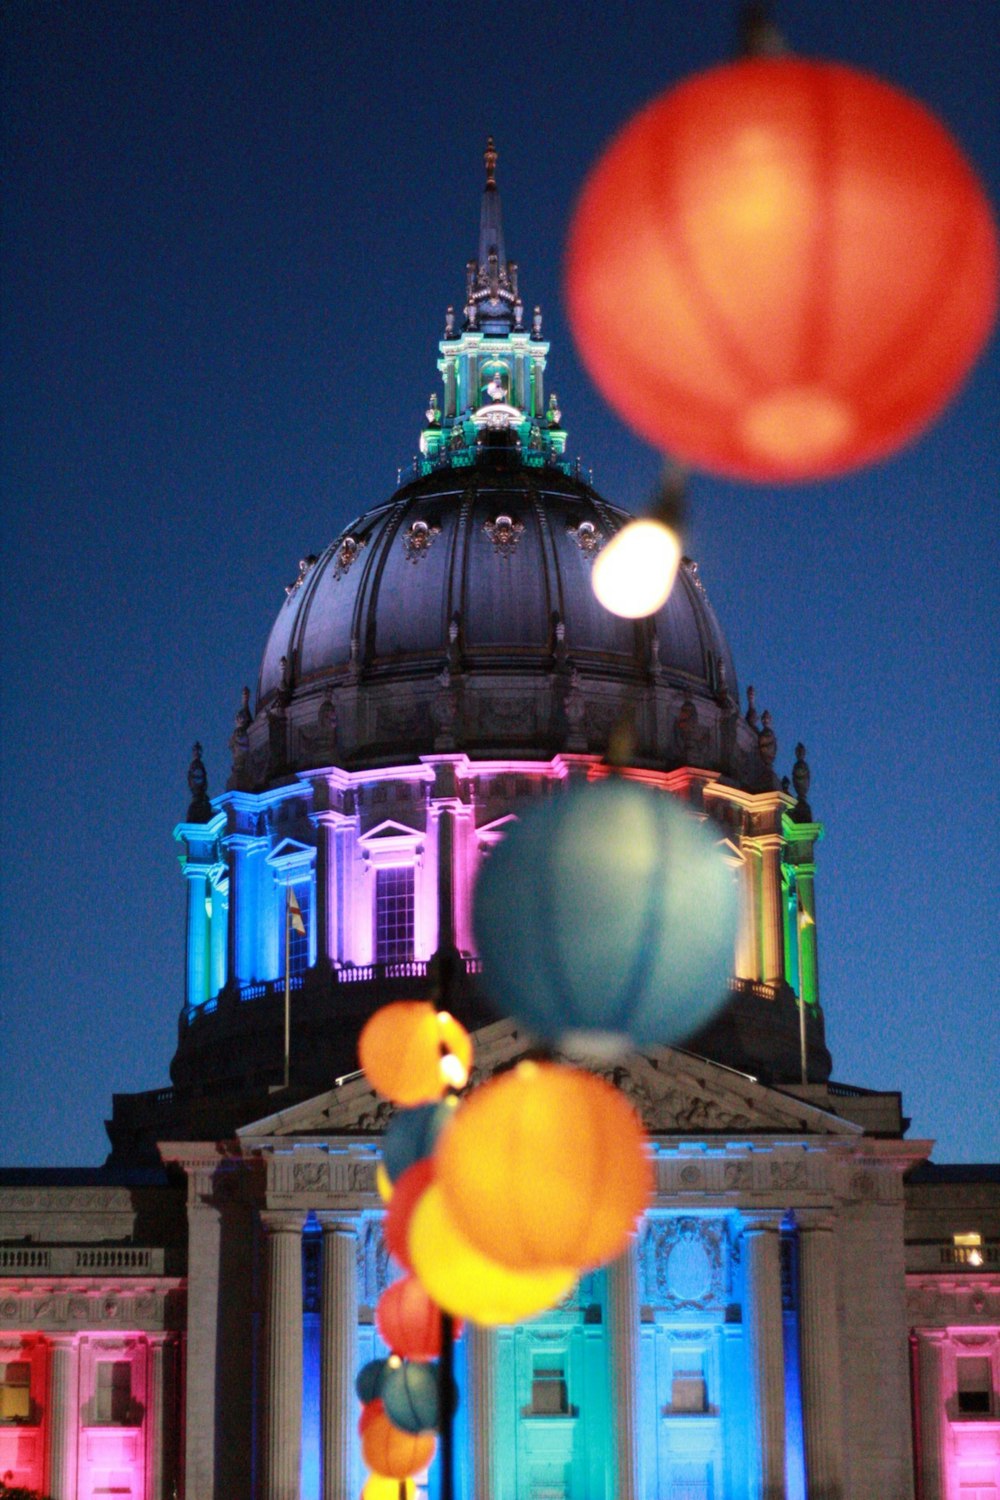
x=409 y=1322
x=396 y=1225
x=781 y=270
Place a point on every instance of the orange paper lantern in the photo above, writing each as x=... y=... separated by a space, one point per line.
x=546 y=1166
x=466 y=1282
x=409 y=1322
x=413 y=1053
x=395 y=1454
x=781 y=270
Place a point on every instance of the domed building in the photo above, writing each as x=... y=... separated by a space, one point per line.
x=189 y=1319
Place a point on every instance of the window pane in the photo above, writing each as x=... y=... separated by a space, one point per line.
x=394 y=915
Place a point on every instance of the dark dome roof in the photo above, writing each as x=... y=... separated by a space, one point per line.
x=477 y=579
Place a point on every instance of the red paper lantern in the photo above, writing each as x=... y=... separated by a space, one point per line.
x=409 y=1322
x=781 y=270
x=396 y=1225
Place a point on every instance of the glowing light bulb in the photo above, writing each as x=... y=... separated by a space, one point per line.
x=634 y=573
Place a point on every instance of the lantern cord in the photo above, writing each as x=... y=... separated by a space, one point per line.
x=446 y=1406
x=759 y=36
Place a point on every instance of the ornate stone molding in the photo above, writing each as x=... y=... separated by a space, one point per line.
x=684 y=1263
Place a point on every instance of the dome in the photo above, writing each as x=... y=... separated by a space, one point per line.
x=462 y=609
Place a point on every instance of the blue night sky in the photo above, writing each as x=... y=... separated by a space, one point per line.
x=230 y=234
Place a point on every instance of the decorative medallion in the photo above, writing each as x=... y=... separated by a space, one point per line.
x=504 y=532
x=306 y=564
x=347 y=550
x=417 y=539
x=588 y=537
x=685 y=1263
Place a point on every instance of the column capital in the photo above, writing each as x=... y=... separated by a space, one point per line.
x=332 y=1221
x=282 y=1221
x=813 y=1221
x=762 y=1222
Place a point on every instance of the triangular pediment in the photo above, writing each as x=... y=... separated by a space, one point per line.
x=390 y=829
x=290 y=849
x=675 y=1093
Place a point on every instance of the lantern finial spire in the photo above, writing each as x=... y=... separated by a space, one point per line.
x=490 y=162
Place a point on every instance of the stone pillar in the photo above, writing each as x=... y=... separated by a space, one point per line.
x=763 y=1319
x=482 y=1347
x=283 y=1356
x=772 y=916
x=63 y=1418
x=197 y=933
x=808 y=960
x=748 y=939
x=338 y=1355
x=819 y=1343
x=623 y=1336
x=930 y=1461
x=243 y=898
x=220 y=920
x=158 y=1435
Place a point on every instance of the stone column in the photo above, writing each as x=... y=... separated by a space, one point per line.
x=748 y=938
x=623 y=1336
x=283 y=1356
x=482 y=1347
x=763 y=1319
x=63 y=1418
x=772 y=916
x=197 y=933
x=930 y=1343
x=805 y=884
x=158 y=1436
x=338 y=1355
x=243 y=898
x=819 y=1343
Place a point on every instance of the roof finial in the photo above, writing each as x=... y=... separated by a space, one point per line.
x=490 y=162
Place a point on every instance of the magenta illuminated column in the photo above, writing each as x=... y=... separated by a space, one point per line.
x=623 y=1337
x=338 y=1354
x=819 y=1340
x=763 y=1319
x=63 y=1418
x=482 y=1346
x=283 y=1356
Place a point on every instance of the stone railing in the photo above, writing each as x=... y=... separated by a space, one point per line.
x=74 y=1260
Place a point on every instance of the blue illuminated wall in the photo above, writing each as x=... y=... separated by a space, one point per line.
x=554 y=1417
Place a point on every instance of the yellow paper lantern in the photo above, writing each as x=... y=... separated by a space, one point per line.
x=413 y=1053
x=394 y=1454
x=384 y=1183
x=546 y=1166
x=467 y=1283
x=378 y=1487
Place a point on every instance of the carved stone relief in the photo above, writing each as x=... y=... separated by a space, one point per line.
x=684 y=1263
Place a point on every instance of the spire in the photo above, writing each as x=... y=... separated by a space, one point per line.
x=492 y=304
x=490 y=218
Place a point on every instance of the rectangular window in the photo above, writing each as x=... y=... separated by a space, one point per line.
x=687 y=1381
x=113 y=1393
x=15 y=1391
x=975 y=1386
x=394 y=914
x=548 y=1387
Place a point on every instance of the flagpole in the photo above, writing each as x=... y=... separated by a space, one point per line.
x=288 y=978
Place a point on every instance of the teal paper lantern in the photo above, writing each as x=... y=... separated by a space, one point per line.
x=410 y=1395
x=368 y=1381
x=410 y=1135
x=608 y=916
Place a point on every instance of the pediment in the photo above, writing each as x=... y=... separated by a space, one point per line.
x=290 y=849
x=674 y=1092
x=390 y=829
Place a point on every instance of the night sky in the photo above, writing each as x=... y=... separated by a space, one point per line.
x=229 y=235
